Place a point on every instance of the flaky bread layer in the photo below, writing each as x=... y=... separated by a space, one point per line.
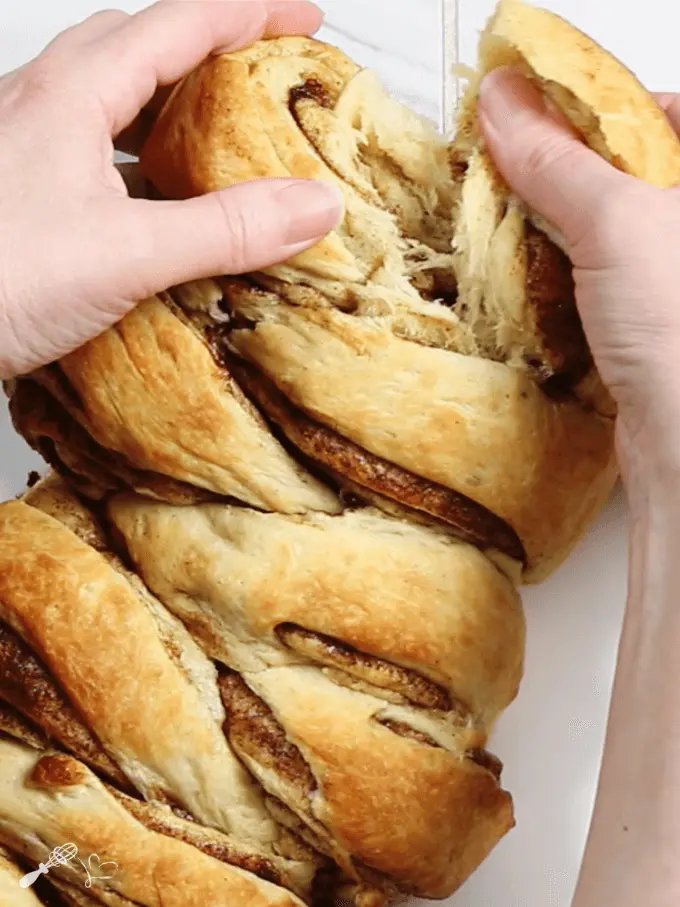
x=49 y=799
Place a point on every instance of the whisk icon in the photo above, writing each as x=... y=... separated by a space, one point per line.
x=60 y=856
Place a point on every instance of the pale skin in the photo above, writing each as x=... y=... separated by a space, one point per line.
x=621 y=236
x=78 y=251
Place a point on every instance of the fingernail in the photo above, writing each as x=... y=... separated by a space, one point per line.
x=311 y=209
x=286 y=18
x=507 y=99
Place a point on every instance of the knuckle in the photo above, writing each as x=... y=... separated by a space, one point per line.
x=545 y=153
x=40 y=77
x=108 y=16
x=94 y=25
x=237 y=234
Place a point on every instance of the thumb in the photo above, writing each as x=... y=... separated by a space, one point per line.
x=540 y=157
x=244 y=228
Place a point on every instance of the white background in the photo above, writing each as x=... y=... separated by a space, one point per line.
x=551 y=738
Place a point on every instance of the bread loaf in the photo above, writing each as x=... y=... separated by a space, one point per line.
x=255 y=637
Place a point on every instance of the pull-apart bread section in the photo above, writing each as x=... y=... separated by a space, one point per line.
x=432 y=340
x=426 y=357
x=111 y=727
x=270 y=618
x=268 y=695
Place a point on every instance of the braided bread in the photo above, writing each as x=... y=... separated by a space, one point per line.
x=11 y=895
x=254 y=639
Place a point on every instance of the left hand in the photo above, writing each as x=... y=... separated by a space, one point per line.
x=76 y=251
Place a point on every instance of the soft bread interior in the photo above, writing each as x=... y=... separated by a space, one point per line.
x=435 y=257
x=435 y=309
x=607 y=106
x=602 y=99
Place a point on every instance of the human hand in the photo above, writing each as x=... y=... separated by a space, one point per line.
x=76 y=251
x=623 y=237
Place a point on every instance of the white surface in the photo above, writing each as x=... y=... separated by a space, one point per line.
x=551 y=739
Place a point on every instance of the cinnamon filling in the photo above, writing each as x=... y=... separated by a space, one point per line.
x=67 y=895
x=309 y=90
x=254 y=732
x=469 y=521
x=27 y=685
x=436 y=285
x=13 y=724
x=401 y=729
x=486 y=760
x=550 y=294
x=332 y=652
x=210 y=842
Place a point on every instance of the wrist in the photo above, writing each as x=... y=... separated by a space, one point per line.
x=631 y=856
x=648 y=448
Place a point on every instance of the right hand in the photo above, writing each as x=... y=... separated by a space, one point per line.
x=623 y=237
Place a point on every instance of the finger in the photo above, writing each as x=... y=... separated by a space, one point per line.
x=94 y=27
x=244 y=228
x=284 y=19
x=670 y=104
x=541 y=158
x=164 y=42
x=664 y=98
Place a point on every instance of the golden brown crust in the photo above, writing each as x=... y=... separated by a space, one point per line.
x=295 y=876
x=420 y=611
x=70 y=573
x=206 y=433
x=363 y=657
x=603 y=99
x=151 y=867
x=497 y=424
x=152 y=355
x=401 y=593
x=67 y=614
x=28 y=686
x=281 y=108
x=11 y=895
x=470 y=521
x=90 y=468
x=394 y=828
x=305 y=96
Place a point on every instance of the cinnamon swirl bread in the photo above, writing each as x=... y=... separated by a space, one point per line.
x=262 y=626
x=313 y=691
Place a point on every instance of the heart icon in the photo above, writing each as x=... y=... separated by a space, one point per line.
x=96 y=866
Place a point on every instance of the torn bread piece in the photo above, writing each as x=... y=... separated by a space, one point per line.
x=462 y=364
